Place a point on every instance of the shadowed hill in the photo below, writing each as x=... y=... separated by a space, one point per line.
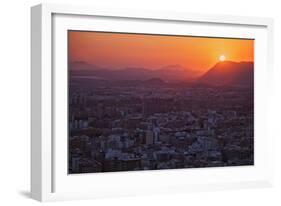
x=230 y=73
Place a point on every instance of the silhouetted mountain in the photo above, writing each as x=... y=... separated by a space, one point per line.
x=82 y=66
x=230 y=73
x=176 y=72
x=173 y=67
x=167 y=73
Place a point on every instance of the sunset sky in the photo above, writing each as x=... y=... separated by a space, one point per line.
x=118 y=51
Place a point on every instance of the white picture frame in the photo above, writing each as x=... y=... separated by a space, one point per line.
x=49 y=178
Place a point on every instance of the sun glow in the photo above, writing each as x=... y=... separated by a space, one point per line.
x=222 y=58
x=128 y=50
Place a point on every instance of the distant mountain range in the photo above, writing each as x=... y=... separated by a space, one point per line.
x=230 y=73
x=167 y=73
x=222 y=73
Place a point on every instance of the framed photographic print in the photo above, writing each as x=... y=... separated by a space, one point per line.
x=137 y=102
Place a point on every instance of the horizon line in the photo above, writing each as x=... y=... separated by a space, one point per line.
x=158 y=68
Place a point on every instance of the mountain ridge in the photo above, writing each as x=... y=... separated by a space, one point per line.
x=166 y=73
x=230 y=73
x=222 y=73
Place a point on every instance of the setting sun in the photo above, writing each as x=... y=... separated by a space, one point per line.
x=222 y=58
x=124 y=50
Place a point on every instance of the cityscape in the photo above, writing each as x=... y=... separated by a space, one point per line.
x=136 y=118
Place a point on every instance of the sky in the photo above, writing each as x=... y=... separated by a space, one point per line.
x=123 y=50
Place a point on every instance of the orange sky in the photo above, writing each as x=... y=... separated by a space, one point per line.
x=117 y=51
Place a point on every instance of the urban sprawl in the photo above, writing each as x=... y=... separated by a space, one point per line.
x=126 y=126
